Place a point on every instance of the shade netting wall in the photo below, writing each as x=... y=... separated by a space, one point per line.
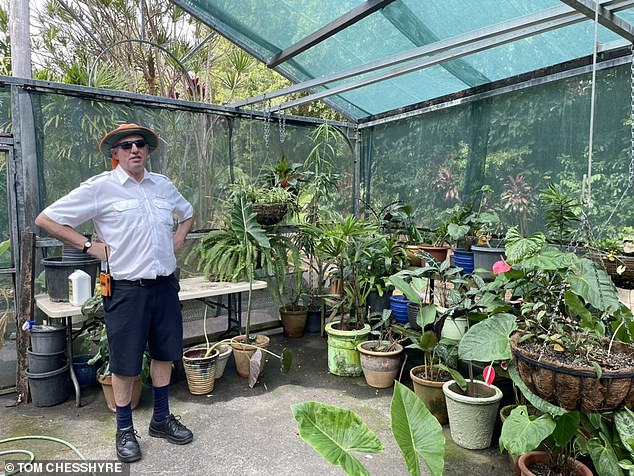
x=202 y=152
x=516 y=143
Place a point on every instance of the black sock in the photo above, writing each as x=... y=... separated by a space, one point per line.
x=124 y=417
x=161 y=403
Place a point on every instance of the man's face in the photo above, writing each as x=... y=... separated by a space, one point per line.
x=132 y=152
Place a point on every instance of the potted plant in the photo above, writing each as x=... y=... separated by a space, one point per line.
x=93 y=308
x=439 y=355
x=293 y=315
x=554 y=330
x=344 y=245
x=232 y=254
x=381 y=357
x=615 y=253
x=562 y=303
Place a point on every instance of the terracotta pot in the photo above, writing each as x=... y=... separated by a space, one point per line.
x=379 y=368
x=108 y=393
x=439 y=253
x=430 y=392
x=243 y=353
x=526 y=460
x=293 y=319
x=411 y=251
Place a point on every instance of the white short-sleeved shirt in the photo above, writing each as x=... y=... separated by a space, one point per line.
x=135 y=219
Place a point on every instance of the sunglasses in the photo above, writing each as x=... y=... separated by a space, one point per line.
x=127 y=145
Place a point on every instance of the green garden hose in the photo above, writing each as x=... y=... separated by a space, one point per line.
x=29 y=453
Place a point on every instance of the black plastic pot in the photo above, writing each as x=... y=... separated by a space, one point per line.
x=58 y=270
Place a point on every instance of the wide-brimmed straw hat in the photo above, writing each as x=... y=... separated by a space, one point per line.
x=124 y=130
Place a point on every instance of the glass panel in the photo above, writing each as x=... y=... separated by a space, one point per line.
x=7 y=291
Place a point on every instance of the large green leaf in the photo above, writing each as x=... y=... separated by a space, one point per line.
x=404 y=287
x=539 y=403
x=417 y=432
x=488 y=340
x=624 y=422
x=518 y=247
x=567 y=427
x=594 y=285
x=521 y=434
x=244 y=223
x=334 y=433
x=603 y=457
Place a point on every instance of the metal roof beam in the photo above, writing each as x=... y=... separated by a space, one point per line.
x=563 y=13
x=447 y=55
x=606 y=17
x=353 y=16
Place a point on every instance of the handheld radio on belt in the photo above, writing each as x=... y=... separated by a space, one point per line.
x=105 y=280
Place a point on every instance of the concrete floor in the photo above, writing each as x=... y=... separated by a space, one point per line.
x=237 y=430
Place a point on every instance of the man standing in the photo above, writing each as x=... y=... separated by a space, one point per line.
x=133 y=214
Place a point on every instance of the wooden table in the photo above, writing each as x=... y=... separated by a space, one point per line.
x=199 y=288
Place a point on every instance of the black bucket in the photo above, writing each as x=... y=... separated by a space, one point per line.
x=49 y=388
x=48 y=339
x=58 y=270
x=41 y=363
x=86 y=374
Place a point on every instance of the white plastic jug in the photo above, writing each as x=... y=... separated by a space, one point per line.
x=79 y=289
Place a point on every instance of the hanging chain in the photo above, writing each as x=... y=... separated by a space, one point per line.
x=282 y=126
x=267 y=122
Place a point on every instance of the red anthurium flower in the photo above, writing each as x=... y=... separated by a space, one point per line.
x=501 y=266
x=489 y=374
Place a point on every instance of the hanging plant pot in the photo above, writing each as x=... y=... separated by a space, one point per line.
x=269 y=213
x=623 y=280
x=575 y=387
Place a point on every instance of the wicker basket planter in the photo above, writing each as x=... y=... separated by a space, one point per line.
x=624 y=280
x=575 y=388
x=200 y=370
x=269 y=213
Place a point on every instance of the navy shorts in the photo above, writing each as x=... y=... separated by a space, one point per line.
x=137 y=316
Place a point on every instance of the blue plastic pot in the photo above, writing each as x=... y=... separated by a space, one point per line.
x=86 y=374
x=398 y=304
x=463 y=259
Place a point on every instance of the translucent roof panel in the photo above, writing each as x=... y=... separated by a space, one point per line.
x=497 y=40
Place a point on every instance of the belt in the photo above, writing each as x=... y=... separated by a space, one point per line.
x=143 y=281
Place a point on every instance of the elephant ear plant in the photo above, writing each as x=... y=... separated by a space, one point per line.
x=231 y=254
x=563 y=307
x=335 y=433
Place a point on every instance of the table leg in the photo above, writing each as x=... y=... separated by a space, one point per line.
x=69 y=353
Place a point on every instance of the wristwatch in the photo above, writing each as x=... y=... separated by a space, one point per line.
x=87 y=246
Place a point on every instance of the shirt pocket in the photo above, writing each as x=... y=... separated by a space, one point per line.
x=163 y=210
x=128 y=212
